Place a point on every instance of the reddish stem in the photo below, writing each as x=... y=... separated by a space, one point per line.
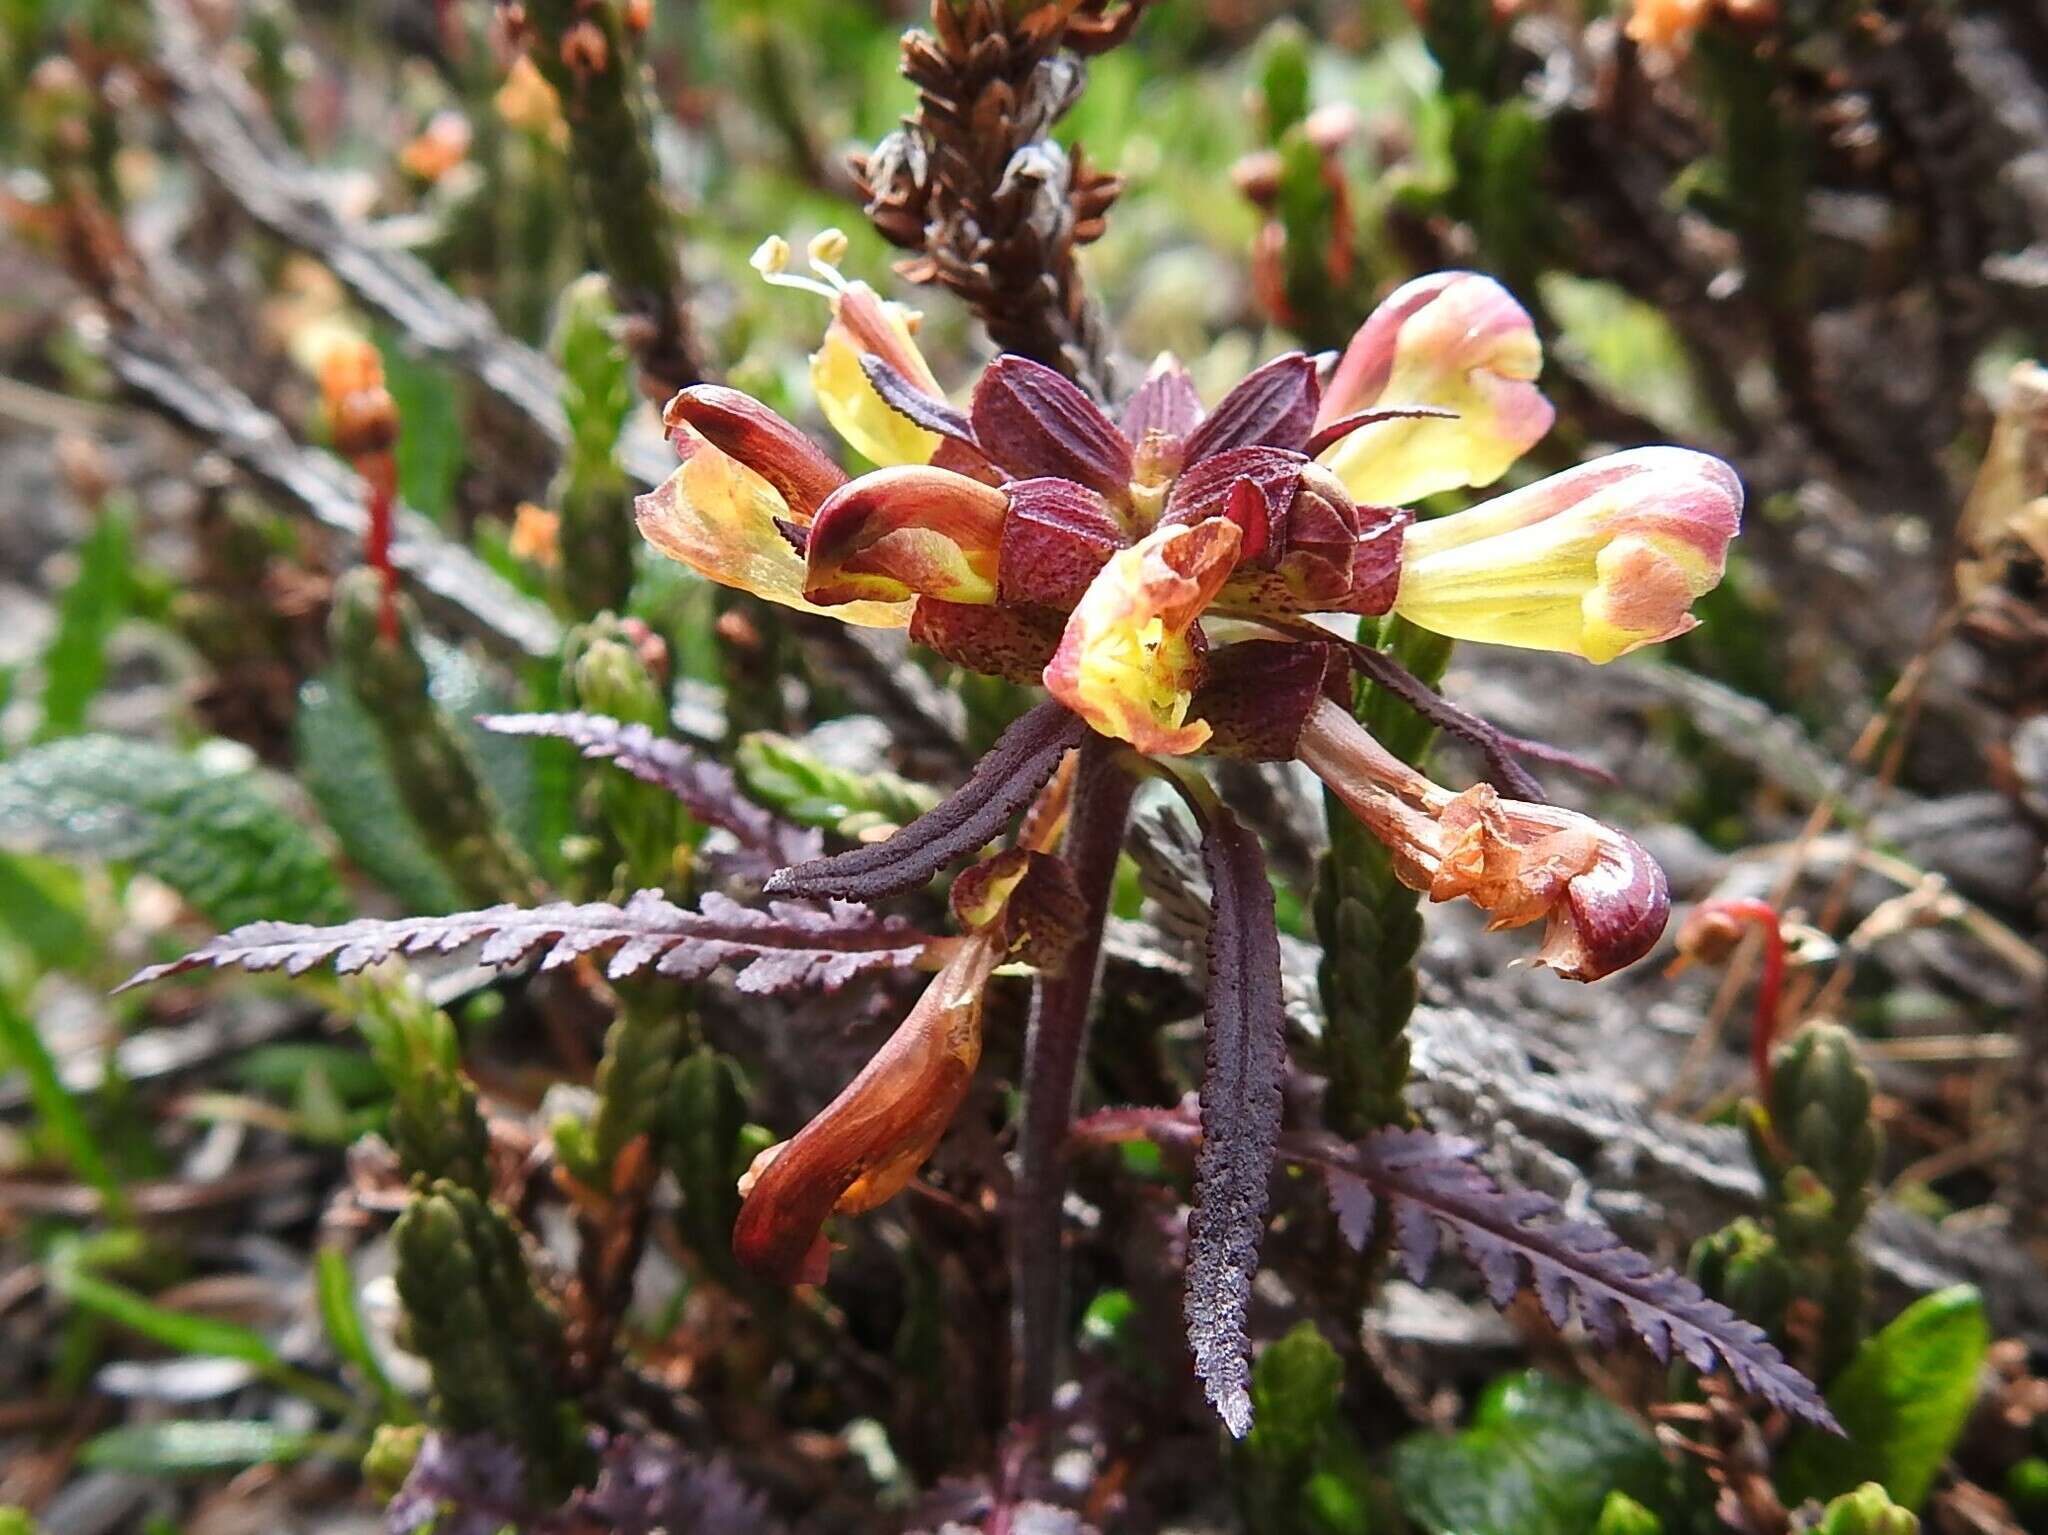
x=380 y=472
x=1054 y=1045
x=1764 y=1028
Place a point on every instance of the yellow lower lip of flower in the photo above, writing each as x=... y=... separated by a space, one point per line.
x=717 y=516
x=1126 y=663
x=940 y=567
x=1585 y=600
x=864 y=324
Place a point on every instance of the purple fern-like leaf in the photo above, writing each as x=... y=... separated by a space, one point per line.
x=705 y=788
x=1240 y=1107
x=785 y=947
x=645 y=1487
x=1002 y=783
x=1514 y=1238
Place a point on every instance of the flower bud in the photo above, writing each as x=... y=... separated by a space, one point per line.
x=1596 y=561
x=361 y=416
x=1130 y=656
x=904 y=532
x=1272 y=406
x=1453 y=340
x=1603 y=900
x=802 y=473
x=1165 y=406
x=1868 y=1510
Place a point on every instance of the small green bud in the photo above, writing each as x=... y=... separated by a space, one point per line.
x=1742 y=1267
x=574 y=1149
x=1868 y=1510
x=1295 y=1386
x=1820 y=1108
x=1283 y=74
x=388 y=1461
x=610 y=671
x=2026 y=1489
x=435 y=1124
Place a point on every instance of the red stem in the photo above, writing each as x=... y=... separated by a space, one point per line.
x=380 y=472
x=1764 y=1027
x=1053 y=1048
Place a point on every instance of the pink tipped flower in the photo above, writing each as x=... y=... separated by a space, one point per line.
x=1602 y=899
x=1453 y=340
x=1597 y=561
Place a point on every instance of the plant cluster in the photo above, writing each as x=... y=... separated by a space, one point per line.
x=765 y=1124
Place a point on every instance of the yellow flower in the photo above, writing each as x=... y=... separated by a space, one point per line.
x=864 y=324
x=1126 y=663
x=1596 y=561
x=1452 y=340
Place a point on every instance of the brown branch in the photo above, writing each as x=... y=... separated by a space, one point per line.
x=975 y=183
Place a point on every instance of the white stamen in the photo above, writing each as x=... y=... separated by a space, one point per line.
x=771 y=260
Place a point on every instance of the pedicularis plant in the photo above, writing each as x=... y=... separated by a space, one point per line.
x=1167 y=576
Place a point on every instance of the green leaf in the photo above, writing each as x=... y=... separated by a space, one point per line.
x=22 y=1048
x=1540 y=1458
x=351 y=1074
x=789 y=777
x=1623 y=1515
x=184 y=1447
x=335 y=1286
x=179 y=1330
x=42 y=905
x=205 y=823
x=93 y=605
x=1901 y=1402
x=341 y=765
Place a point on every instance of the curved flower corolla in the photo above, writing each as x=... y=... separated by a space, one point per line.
x=869 y=1141
x=1455 y=340
x=1603 y=900
x=865 y=1146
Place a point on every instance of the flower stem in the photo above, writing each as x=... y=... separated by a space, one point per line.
x=1053 y=1049
x=1370 y=924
